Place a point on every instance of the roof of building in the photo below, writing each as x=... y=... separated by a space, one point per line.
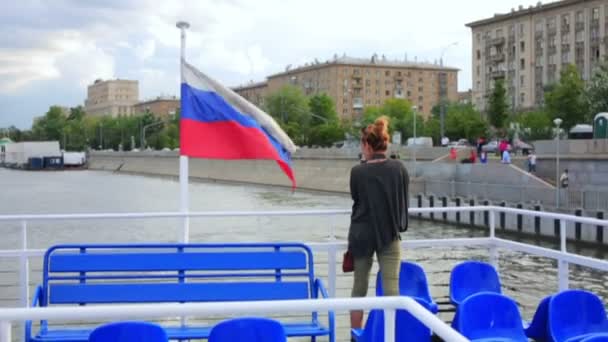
x=250 y=85
x=373 y=61
x=601 y=115
x=5 y=141
x=521 y=11
x=159 y=99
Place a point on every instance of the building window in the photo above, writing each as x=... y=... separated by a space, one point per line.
x=420 y=89
x=387 y=73
x=522 y=47
x=478 y=71
x=420 y=99
x=522 y=64
x=565 y=22
x=498 y=33
x=595 y=14
x=580 y=17
x=479 y=37
x=522 y=80
x=521 y=29
x=356 y=71
x=538 y=27
x=388 y=93
x=522 y=98
x=478 y=55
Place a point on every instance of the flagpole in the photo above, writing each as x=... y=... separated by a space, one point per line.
x=183 y=160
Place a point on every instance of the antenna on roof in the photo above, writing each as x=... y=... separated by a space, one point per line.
x=288 y=67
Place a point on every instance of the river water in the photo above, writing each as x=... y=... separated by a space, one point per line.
x=526 y=278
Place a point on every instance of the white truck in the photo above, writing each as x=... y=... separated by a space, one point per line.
x=18 y=154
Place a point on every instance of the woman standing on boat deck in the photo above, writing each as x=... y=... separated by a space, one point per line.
x=379 y=189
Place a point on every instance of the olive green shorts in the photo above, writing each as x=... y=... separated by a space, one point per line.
x=389 y=260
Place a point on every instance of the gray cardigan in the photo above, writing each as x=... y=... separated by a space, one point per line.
x=380 y=204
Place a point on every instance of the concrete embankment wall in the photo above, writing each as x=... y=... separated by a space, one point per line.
x=311 y=174
x=333 y=175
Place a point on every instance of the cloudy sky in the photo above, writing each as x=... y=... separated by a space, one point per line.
x=51 y=50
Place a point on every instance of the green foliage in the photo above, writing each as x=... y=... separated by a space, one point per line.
x=566 y=99
x=498 y=108
x=323 y=110
x=463 y=121
x=597 y=91
x=432 y=128
x=401 y=117
x=535 y=125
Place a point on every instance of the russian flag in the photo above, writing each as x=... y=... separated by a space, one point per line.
x=217 y=123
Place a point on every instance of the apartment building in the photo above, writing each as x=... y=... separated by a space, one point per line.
x=355 y=83
x=528 y=48
x=112 y=97
x=161 y=106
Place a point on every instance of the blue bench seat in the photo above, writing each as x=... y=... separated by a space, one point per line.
x=75 y=275
x=177 y=333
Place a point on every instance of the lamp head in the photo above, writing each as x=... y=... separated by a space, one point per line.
x=182 y=25
x=557 y=122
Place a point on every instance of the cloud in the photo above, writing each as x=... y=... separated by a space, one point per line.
x=51 y=50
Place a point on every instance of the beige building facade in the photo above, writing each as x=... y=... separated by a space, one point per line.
x=112 y=97
x=528 y=48
x=160 y=106
x=355 y=83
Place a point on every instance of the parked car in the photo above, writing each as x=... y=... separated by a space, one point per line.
x=461 y=143
x=490 y=147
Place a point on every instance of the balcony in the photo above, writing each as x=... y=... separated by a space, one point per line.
x=552 y=50
x=565 y=29
x=399 y=94
x=511 y=39
x=497 y=41
x=580 y=26
x=539 y=52
x=357 y=77
x=595 y=23
x=497 y=58
x=551 y=31
x=565 y=47
x=595 y=40
x=498 y=74
x=358 y=103
x=357 y=85
x=538 y=34
x=398 y=77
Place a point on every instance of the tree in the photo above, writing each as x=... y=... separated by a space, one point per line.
x=289 y=107
x=566 y=99
x=597 y=91
x=432 y=128
x=535 y=125
x=323 y=108
x=463 y=121
x=497 y=109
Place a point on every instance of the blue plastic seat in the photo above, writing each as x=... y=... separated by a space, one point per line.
x=489 y=316
x=407 y=327
x=537 y=330
x=249 y=329
x=597 y=338
x=471 y=277
x=575 y=315
x=129 y=332
x=412 y=283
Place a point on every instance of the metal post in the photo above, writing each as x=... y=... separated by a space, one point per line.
x=493 y=251
x=331 y=259
x=5 y=331
x=415 y=145
x=389 y=325
x=557 y=122
x=183 y=160
x=25 y=267
x=562 y=271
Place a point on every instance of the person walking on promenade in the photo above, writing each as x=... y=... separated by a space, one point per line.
x=532 y=162
x=379 y=189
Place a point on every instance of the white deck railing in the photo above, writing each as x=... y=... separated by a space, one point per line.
x=121 y=312
x=332 y=247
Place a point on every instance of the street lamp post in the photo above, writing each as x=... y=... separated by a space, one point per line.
x=414 y=108
x=143 y=132
x=557 y=123
x=443 y=90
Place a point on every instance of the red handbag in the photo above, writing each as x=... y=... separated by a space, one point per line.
x=348 y=263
